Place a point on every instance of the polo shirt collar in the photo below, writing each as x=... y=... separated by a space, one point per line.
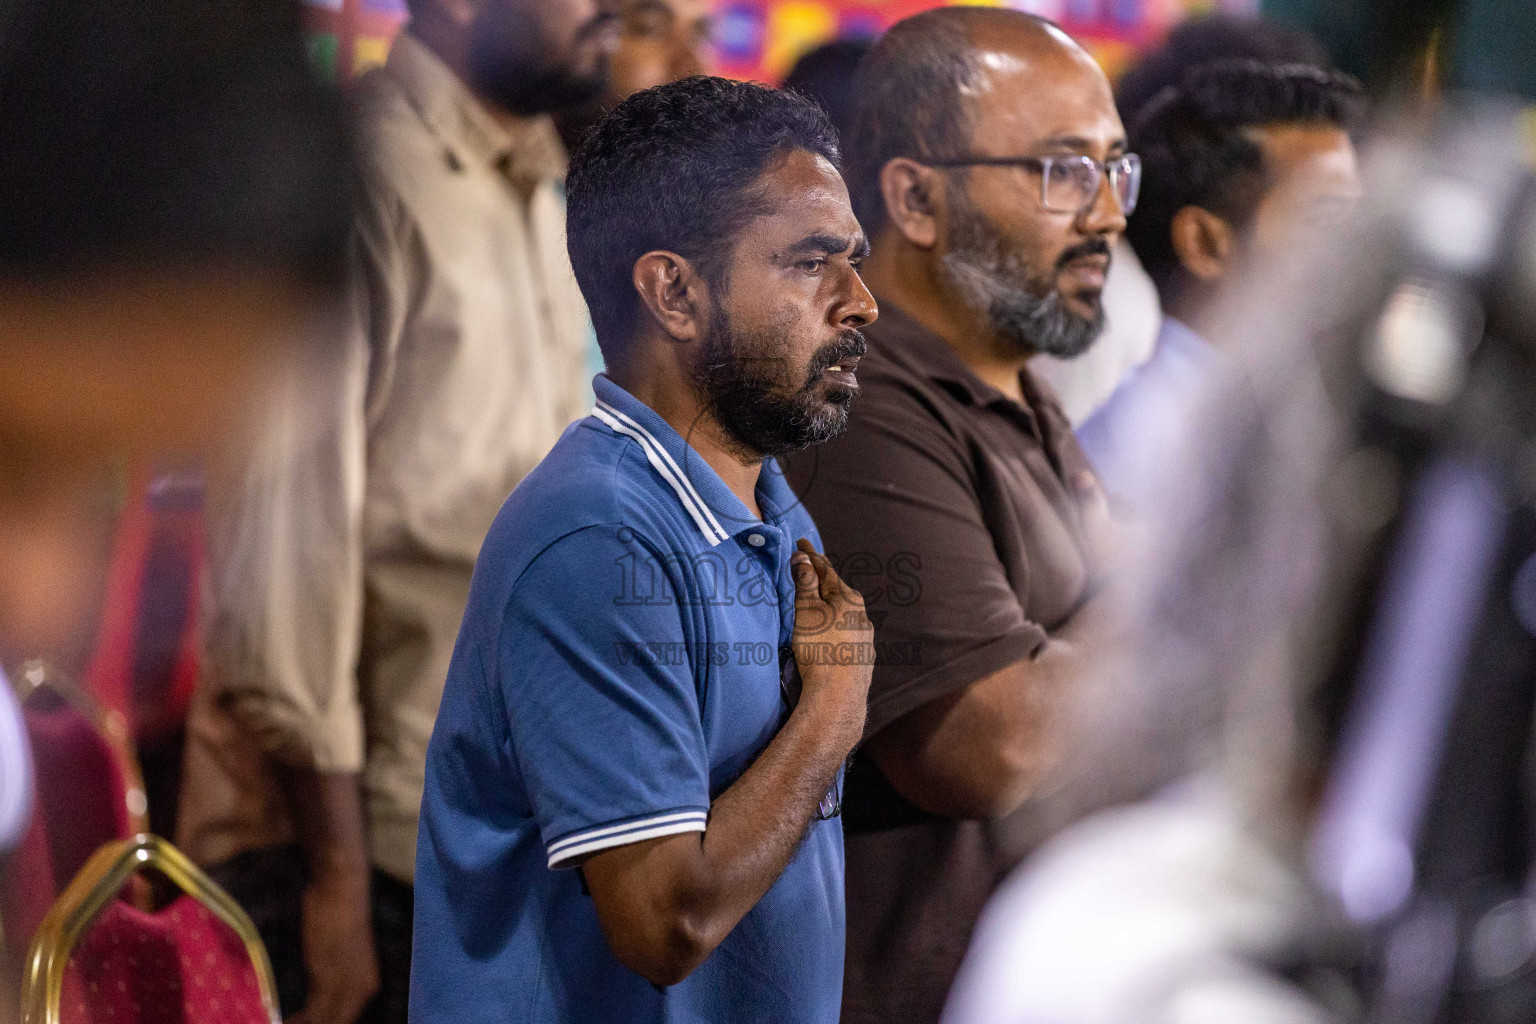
x=713 y=507
x=525 y=150
x=935 y=358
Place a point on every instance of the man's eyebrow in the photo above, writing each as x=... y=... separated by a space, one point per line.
x=1078 y=144
x=832 y=245
x=1065 y=142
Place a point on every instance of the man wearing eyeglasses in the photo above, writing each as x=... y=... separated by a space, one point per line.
x=989 y=167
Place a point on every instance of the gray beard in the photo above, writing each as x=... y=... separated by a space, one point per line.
x=1028 y=319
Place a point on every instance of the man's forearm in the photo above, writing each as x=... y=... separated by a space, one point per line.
x=980 y=751
x=337 y=929
x=754 y=829
x=755 y=825
x=327 y=810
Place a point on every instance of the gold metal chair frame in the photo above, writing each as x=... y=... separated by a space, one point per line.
x=96 y=886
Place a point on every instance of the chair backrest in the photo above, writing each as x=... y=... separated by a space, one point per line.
x=28 y=892
x=88 y=793
x=89 y=789
x=145 y=663
x=97 y=959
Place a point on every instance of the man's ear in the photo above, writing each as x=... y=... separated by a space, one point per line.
x=914 y=200
x=672 y=292
x=1203 y=241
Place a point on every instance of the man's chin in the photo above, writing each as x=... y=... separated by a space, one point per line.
x=840 y=396
x=834 y=418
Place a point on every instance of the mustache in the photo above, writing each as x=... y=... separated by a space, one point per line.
x=849 y=343
x=1091 y=247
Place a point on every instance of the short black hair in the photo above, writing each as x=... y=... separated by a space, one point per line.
x=826 y=75
x=909 y=98
x=1196 y=148
x=1212 y=39
x=142 y=133
x=674 y=168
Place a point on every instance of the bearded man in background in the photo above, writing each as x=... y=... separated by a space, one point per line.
x=990 y=168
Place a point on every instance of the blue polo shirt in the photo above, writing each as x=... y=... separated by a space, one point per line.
x=617 y=669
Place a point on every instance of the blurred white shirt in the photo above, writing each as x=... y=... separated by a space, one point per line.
x=1129 y=437
x=1139 y=914
x=341 y=577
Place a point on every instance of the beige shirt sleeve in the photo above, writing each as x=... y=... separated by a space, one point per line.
x=287 y=550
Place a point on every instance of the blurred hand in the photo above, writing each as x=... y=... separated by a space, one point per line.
x=338 y=949
x=833 y=641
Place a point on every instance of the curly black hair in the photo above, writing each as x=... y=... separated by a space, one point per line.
x=674 y=168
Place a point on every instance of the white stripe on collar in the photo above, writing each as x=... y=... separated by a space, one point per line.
x=661 y=460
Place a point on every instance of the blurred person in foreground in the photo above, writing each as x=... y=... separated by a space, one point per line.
x=660 y=41
x=342 y=577
x=170 y=227
x=989 y=163
x=1332 y=651
x=632 y=789
x=172 y=216
x=1130 y=299
x=1237 y=159
x=826 y=74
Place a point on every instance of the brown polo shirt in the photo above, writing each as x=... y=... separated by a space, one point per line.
x=947 y=504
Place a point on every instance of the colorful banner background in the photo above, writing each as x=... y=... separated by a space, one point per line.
x=761 y=39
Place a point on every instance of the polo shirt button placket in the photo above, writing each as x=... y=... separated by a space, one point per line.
x=765 y=541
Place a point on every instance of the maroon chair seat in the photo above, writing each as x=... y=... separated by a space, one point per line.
x=98 y=959
x=179 y=965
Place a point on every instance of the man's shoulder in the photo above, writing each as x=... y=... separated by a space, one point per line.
x=593 y=487
x=396 y=149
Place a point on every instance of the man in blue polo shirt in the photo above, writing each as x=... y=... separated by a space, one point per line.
x=632 y=789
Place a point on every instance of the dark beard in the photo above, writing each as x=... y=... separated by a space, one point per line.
x=748 y=390
x=511 y=67
x=1027 y=314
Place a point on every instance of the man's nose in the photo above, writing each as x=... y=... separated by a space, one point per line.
x=859 y=309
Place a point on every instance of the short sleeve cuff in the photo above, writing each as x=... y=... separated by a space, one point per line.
x=331 y=743
x=955 y=673
x=567 y=851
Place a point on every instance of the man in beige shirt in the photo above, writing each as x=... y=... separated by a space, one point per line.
x=341 y=577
